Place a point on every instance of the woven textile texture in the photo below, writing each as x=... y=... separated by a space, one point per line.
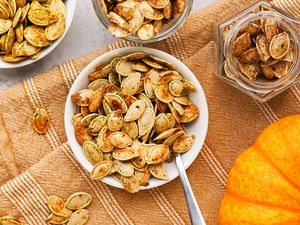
x=34 y=166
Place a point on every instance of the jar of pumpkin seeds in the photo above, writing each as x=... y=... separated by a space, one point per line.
x=259 y=51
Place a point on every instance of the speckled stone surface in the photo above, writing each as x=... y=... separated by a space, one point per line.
x=86 y=34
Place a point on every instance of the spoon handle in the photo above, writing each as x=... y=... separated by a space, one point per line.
x=194 y=210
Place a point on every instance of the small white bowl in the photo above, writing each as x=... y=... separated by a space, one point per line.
x=71 y=6
x=198 y=127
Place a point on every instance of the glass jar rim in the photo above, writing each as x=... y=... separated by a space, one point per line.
x=258 y=86
x=158 y=37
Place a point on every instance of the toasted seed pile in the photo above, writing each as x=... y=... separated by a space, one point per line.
x=263 y=49
x=28 y=26
x=71 y=212
x=9 y=220
x=40 y=120
x=142 y=18
x=131 y=118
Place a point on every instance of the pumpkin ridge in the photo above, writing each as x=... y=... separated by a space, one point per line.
x=232 y=216
x=257 y=149
x=265 y=204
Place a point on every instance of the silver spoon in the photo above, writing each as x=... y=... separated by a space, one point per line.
x=194 y=210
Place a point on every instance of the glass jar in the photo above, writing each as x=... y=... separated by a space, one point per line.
x=166 y=31
x=261 y=89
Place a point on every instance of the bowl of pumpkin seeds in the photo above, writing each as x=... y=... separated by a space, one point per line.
x=143 y=21
x=129 y=112
x=29 y=30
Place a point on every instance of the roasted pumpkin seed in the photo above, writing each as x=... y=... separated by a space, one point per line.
x=40 y=120
x=79 y=217
x=92 y=153
x=78 y=200
x=101 y=169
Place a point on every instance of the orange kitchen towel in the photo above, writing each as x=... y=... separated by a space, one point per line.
x=34 y=166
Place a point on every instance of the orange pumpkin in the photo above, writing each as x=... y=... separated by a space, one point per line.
x=263 y=187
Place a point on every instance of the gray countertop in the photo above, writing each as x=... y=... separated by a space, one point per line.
x=86 y=34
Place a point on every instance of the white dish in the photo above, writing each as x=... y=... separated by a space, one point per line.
x=71 y=6
x=198 y=127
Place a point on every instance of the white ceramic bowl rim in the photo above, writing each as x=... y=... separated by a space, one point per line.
x=71 y=6
x=199 y=126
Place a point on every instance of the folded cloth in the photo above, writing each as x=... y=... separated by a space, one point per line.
x=34 y=166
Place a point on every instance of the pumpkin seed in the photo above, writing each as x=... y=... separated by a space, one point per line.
x=158 y=171
x=58 y=7
x=101 y=73
x=115 y=102
x=116 y=19
x=136 y=21
x=82 y=134
x=146 y=121
x=190 y=114
x=131 y=84
x=57 y=206
x=35 y=35
x=241 y=44
x=149 y=12
x=178 y=7
x=157 y=154
x=262 y=46
x=79 y=217
x=271 y=29
x=124 y=168
x=146 y=32
x=40 y=120
x=131 y=129
x=142 y=176
x=92 y=152
x=118 y=31
x=78 y=200
x=96 y=99
x=280 y=45
x=130 y=184
x=120 y=140
x=103 y=140
x=56 y=29
x=134 y=56
x=9 y=220
x=96 y=84
x=115 y=121
x=97 y=124
x=167 y=133
x=135 y=111
x=9 y=41
x=26 y=49
x=101 y=169
x=140 y=67
x=163 y=62
x=124 y=67
x=162 y=93
x=252 y=28
x=42 y=17
x=183 y=100
x=168 y=11
x=76 y=119
x=151 y=78
x=125 y=9
x=20 y=33
x=171 y=139
x=161 y=123
x=183 y=143
x=249 y=70
x=54 y=219
x=5 y=25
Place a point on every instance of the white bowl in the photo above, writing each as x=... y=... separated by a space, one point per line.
x=198 y=127
x=71 y=5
